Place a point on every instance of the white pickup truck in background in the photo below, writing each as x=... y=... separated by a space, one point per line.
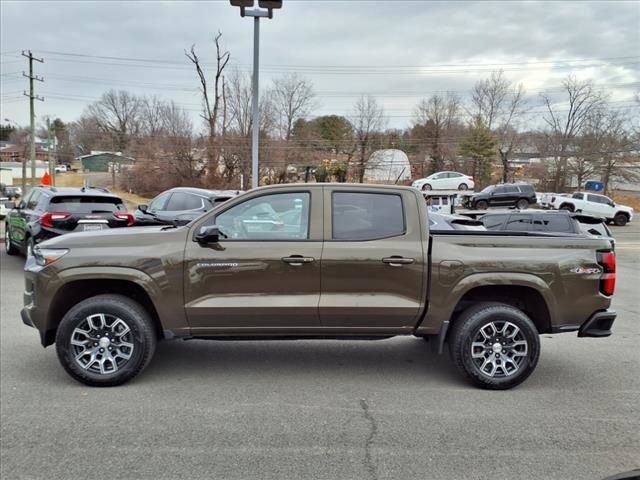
x=595 y=205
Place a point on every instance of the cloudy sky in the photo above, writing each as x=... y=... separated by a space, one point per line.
x=398 y=51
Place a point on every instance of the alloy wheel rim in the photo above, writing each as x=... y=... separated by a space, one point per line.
x=499 y=349
x=102 y=344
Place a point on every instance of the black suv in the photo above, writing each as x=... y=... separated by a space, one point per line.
x=519 y=195
x=180 y=205
x=47 y=212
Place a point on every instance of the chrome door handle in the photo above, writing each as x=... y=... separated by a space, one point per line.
x=397 y=261
x=297 y=260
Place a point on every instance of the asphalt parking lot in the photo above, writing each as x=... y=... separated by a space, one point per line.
x=324 y=409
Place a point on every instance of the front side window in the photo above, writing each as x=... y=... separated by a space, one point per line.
x=180 y=201
x=33 y=200
x=366 y=216
x=577 y=196
x=159 y=202
x=511 y=189
x=282 y=216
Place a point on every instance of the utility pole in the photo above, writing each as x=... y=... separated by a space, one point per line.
x=49 y=156
x=32 y=97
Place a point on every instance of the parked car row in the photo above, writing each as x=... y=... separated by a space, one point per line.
x=47 y=212
x=596 y=205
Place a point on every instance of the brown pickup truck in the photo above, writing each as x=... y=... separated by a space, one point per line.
x=316 y=261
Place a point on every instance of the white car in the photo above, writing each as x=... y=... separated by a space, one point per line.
x=445 y=181
x=61 y=169
x=595 y=205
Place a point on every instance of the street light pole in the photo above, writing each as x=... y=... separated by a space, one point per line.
x=256 y=13
x=255 y=106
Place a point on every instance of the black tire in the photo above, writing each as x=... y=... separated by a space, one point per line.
x=141 y=335
x=567 y=206
x=522 y=204
x=620 y=219
x=9 y=247
x=482 y=205
x=467 y=328
x=463 y=186
x=426 y=187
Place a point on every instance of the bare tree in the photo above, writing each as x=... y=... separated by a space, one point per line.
x=566 y=119
x=292 y=97
x=118 y=114
x=211 y=100
x=613 y=147
x=368 y=118
x=436 y=120
x=499 y=104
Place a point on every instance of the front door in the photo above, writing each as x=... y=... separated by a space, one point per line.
x=372 y=263
x=264 y=273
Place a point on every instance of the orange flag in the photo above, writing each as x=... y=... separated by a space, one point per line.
x=46 y=179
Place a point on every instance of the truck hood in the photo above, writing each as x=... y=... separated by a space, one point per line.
x=118 y=237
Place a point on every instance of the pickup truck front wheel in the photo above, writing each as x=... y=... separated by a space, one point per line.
x=105 y=340
x=495 y=345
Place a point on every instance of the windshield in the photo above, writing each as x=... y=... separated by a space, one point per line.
x=488 y=189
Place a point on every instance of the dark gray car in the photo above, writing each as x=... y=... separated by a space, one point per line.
x=180 y=205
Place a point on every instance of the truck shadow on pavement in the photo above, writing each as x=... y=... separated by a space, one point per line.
x=404 y=359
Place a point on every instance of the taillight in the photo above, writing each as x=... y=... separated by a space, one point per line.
x=608 y=279
x=125 y=216
x=48 y=218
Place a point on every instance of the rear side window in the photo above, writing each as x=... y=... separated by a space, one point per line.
x=183 y=201
x=86 y=204
x=493 y=222
x=366 y=216
x=557 y=223
x=526 y=188
x=519 y=223
x=511 y=189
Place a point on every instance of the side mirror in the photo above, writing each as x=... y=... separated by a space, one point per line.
x=143 y=208
x=210 y=234
x=10 y=205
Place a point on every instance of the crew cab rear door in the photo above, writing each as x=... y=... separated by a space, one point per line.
x=263 y=275
x=373 y=261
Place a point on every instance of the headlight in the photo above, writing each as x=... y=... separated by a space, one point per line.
x=46 y=256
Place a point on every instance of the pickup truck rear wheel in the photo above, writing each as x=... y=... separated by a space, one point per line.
x=495 y=345
x=105 y=340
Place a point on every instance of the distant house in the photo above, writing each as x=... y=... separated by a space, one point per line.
x=100 y=161
x=15 y=153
